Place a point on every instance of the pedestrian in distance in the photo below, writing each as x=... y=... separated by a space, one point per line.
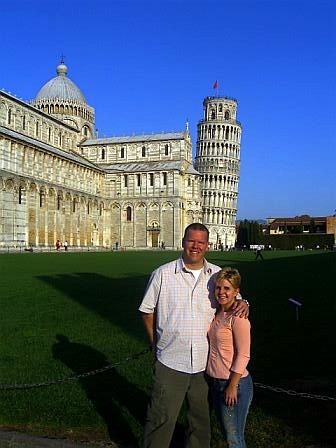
x=177 y=310
x=258 y=253
x=229 y=340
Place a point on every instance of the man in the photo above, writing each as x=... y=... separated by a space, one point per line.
x=258 y=253
x=177 y=310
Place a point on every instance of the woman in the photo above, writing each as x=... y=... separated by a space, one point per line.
x=229 y=340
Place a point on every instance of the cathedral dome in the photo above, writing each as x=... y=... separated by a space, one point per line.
x=61 y=88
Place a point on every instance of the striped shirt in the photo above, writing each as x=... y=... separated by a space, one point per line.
x=184 y=309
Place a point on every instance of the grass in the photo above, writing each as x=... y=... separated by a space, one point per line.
x=65 y=314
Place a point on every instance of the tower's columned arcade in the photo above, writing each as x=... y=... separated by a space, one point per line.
x=218 y=160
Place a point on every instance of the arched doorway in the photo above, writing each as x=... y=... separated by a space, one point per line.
x=154 y=231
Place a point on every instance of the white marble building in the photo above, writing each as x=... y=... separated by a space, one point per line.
x=218 y=159
x=59 y=181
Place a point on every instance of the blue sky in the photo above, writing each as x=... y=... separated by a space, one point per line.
x=145 y=66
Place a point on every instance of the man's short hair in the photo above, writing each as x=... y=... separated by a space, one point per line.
x=196 y=226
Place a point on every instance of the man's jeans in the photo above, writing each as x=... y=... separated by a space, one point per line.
x=232 y=419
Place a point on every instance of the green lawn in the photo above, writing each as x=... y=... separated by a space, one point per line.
x=65 y=314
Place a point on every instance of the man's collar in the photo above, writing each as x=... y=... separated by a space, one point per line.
x=180 y=266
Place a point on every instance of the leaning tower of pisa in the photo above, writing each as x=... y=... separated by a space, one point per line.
x=218 y=160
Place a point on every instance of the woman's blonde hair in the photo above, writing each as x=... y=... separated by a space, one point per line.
x=231 y=275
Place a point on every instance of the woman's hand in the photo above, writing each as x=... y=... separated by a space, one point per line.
x=230 y=395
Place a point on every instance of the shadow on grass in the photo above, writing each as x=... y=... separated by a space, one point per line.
x=313 y=418
x=112 y=395
x=283 y=350
x=115 y=299
x=290 y=353
x=108 y=391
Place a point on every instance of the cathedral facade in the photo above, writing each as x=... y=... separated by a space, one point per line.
x=59 y=181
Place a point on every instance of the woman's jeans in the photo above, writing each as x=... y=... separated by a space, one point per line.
x=232 y=419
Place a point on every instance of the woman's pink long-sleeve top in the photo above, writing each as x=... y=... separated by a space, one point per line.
x=229 y=340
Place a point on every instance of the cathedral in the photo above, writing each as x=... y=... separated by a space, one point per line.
x=59 y=181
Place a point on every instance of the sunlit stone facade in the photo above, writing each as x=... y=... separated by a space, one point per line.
x=218 y=159
x=59 y=181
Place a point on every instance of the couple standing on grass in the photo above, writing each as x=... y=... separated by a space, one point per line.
x=198 y=329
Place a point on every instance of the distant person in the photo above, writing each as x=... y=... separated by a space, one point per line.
x=229 y=340
x=258 y=253
x=65 y=246
x=177 y=309
x=58 y=245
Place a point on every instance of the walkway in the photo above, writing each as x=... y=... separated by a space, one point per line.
x=12 y=439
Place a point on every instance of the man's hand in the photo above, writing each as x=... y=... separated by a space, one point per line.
x=241 y=308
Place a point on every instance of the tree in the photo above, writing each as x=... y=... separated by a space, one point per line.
x=312 y=226
x=249 y=232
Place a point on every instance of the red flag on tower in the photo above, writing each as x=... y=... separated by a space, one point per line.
x=215 y=86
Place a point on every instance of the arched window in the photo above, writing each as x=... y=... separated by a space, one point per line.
x=122 y=153
x=213 y=115
x=9 y=116
x=20 y=194
x=24 y=122
x=227 y=115
x=103 y=153
x=220 y=108
x=129 y=213
x=166 y=150
x=143 y=151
